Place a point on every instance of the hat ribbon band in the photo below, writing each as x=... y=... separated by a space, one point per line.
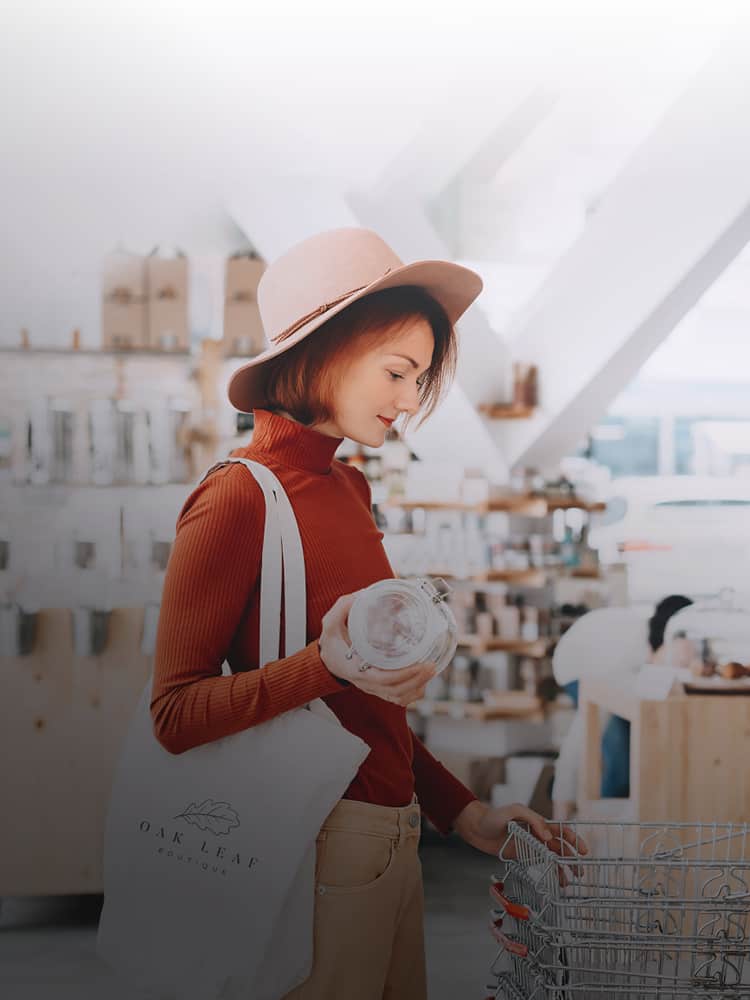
x=317 y=312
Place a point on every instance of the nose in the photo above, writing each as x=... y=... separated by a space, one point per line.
x=408 y=397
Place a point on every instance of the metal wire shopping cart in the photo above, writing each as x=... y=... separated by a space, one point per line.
x=655 y=911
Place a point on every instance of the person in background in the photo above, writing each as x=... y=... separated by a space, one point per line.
x=679 y=651
x=616 y=736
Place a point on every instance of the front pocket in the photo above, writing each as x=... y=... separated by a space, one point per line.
x=353 y=862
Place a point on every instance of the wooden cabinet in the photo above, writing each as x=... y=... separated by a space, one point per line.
x=689 y=755
x=65 y=717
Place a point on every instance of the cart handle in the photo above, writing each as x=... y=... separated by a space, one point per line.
x=516 y=910
x=514 y=947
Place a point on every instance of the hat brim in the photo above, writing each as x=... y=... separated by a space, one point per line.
x=455 y=287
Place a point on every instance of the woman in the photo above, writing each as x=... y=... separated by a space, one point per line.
x=357 y=340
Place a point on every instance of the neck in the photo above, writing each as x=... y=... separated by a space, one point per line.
x=325 y=428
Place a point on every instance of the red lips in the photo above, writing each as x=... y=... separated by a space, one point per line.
x=385 y=420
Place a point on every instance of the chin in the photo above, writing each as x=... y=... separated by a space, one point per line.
x=373 y=439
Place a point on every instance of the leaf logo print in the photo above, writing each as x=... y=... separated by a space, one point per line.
x=216 y=817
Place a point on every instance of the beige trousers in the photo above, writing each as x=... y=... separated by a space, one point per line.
x=368 y=929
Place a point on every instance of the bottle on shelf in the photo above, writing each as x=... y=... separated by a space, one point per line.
x=527 y=672
x=568 y=549
x=530 y=623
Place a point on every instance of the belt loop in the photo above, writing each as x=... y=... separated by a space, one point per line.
x=403 y=826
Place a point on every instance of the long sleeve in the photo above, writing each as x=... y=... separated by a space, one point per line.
x=441 y=795
x=212 y=576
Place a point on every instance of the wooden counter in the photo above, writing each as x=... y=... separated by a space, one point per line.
x=689 y=755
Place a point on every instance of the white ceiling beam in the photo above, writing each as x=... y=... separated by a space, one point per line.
x=672 y=221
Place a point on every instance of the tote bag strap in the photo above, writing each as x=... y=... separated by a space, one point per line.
x=282 y=560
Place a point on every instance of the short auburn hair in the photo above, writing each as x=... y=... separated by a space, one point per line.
x=301 y=380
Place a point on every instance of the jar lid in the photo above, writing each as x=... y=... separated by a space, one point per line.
x=392 y=624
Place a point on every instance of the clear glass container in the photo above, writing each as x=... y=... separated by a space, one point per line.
x=395 y=623
x=711 y=639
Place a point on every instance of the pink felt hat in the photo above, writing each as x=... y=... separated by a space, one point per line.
x=321 y=276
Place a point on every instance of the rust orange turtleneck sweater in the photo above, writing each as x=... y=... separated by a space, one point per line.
x=210 y=613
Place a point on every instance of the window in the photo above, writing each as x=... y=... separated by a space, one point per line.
x=629 y=446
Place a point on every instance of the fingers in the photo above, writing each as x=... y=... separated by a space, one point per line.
x=574 y=839
x=557 y=837
x=394 y=679
x=398 y=686
x=570 y=842
x=538 y=824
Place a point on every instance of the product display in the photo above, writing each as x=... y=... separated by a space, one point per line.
x=714 y=640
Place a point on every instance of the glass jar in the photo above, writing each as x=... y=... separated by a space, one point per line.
x=395 y=623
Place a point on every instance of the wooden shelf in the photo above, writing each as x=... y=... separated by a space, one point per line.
x=575 y=503
x=510 y=705
x=506 y=411
x=525 y=577
x=521 y=503
x=522 y=577
x=430 y=505
x=519 y=647
x=585 y=573
x=123 y=352
x=514 y=503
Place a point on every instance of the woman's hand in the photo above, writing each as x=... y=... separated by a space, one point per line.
x=486 y=828
x=401 y=687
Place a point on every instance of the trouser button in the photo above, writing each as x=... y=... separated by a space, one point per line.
x=414 y=820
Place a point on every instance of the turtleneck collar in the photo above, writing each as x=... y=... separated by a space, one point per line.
x=293 y=444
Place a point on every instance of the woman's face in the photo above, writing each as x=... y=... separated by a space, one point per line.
x=383 y=382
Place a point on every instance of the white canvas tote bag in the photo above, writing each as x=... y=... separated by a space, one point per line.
x=209 y=855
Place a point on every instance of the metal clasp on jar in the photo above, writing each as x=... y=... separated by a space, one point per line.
x=436 y=588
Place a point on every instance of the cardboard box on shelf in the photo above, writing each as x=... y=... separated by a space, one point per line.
x=167 y=312
x=123 y=286
x=243 y=330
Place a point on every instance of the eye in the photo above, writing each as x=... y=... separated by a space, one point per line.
x=420 y=381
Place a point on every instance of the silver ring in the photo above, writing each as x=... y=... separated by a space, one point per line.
x=363 y=667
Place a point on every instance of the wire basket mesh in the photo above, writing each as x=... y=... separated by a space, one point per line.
x=658 y=911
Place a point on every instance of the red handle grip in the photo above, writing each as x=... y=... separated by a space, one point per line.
x=514 y=947
x=512 y=909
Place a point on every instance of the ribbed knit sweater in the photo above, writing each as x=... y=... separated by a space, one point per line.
x=210 y=613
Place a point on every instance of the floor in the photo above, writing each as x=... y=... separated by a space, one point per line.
x=47 y=944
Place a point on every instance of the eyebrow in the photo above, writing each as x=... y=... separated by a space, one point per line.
x=407 y=358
